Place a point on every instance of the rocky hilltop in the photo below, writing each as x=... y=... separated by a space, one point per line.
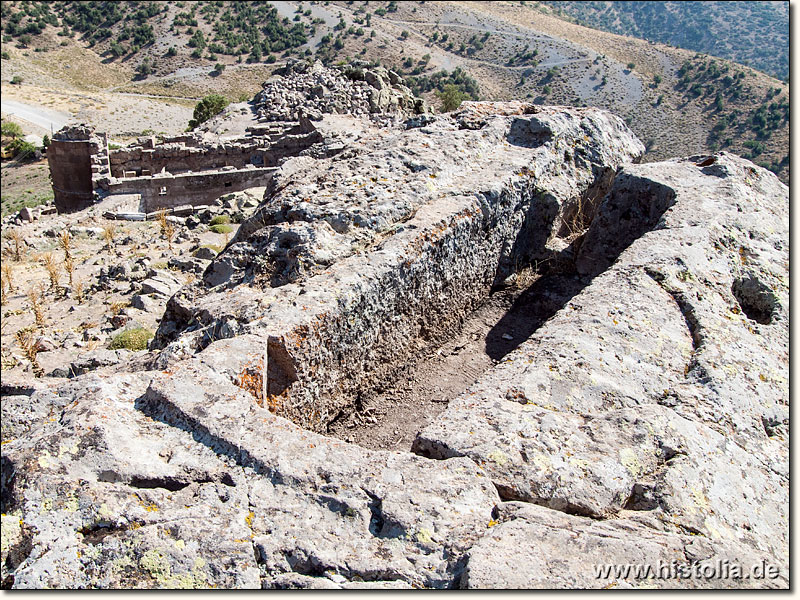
x=645 y=423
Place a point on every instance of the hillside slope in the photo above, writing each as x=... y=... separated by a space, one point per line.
x=678 y=102
x=750 y=33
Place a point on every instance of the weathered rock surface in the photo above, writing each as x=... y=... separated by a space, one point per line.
x=555 y=550
x=162 y=283
x=402 y=236
x=662 y=387
x=187 y=483
x=645 y=423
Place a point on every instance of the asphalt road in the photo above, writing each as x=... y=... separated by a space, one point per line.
x=42 y=117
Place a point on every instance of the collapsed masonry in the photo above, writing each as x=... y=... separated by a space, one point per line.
x=197 y=168
x=646 y=421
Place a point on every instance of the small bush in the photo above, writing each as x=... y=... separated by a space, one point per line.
x=208 y=107
x=221 y=228
x=220 y=220
x=11 y=129
x=24 y=150
x=133 y=339
x=16 y=80
x=451 y=98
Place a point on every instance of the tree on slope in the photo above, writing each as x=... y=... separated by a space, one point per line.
x=208 y=107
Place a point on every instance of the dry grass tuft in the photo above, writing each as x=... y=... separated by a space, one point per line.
x=69 y=266
x=16 y=239
x=51 y=265
x=77 y=290
x=109 y=231
x=8 y=276
x=116 y=307
x=27 y=343
x=65 y=242
x=35 y=296
x=167 y=228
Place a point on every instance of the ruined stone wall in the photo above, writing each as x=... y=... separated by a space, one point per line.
x=71 y=168
x=77 y=159
x=177 y=158
x=169 y=191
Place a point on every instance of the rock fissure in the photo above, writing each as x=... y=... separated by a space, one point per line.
x=684 y=304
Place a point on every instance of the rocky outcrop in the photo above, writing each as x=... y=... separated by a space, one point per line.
x=352 y=260
x=644 y=424
x=661 y=390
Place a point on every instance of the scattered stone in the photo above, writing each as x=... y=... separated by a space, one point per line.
x=96 y=359
x=205 y=253
x=194 y=264
x=146 y=303
x=160 y=283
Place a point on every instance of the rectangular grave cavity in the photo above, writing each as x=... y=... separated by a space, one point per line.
x=313 y=339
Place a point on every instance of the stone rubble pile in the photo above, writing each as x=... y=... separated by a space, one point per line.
x=304 y=89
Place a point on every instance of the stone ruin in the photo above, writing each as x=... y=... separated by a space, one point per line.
x=645 y=422
x=301 y=88
x=78 y=160
x=195 y=169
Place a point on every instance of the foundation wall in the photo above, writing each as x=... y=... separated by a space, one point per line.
x=177 y=159
x=169 y=191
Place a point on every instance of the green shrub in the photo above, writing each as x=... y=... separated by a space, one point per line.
x=133 y=339
x=451 y=98
x=220 y=220
x=11 y=129
x=221 y=228
x=208 y=107
x=24 y=150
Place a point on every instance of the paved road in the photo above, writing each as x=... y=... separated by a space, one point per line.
x=43 y=117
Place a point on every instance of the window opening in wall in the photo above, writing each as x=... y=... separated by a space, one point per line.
x=163 y=191
x=228 y=184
